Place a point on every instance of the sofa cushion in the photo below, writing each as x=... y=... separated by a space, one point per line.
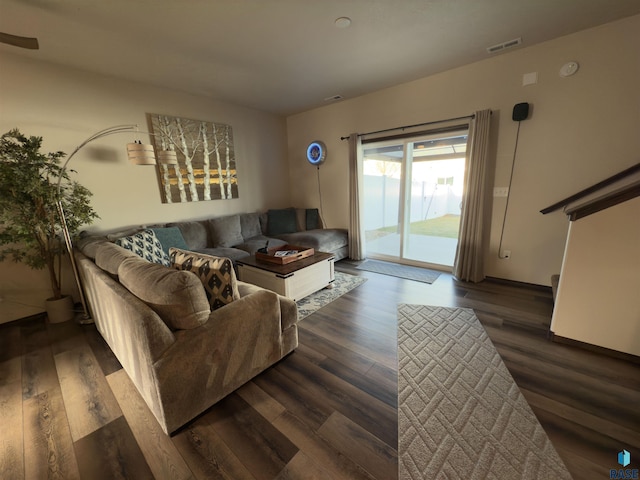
x=321 y=240
x=301 y=219
x=109 y=256
x=215 y=273
x=145 y=245
x=312 y=220
x=127 y=232
x=88 y=244
x=232 y=253
x=194 y=233
x=263 y=222
x=252 y=245
x=176 y=296
x=250 y=225
x=170 y=237
x=281 y=221
x=225 y=231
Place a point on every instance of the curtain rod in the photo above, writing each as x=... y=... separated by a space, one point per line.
x=412 y=126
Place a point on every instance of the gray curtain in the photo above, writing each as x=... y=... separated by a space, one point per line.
x=472 y=239
x=356 y=234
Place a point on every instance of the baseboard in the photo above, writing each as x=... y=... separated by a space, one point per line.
x=595 y=348
x=20 y=321
x=515 y=283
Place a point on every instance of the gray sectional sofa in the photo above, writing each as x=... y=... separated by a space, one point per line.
x=182 y=351
x=240 y=235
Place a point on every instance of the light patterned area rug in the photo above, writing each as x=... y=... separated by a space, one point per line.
x=461 y=415
x=397 y=270
x=342 y=284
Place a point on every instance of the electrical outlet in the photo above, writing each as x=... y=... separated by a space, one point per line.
x=506 y=254
x=500 y=191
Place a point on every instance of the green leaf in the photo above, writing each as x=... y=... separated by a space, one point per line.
x=29 y=222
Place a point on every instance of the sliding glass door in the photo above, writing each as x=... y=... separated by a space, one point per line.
x=412 y=197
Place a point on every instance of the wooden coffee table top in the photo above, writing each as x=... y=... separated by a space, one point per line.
x=287 y=269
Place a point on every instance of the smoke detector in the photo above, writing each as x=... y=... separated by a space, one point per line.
x=504 y=45
x=569 y=69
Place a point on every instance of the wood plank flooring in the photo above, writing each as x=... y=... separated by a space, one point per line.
x=327 y=411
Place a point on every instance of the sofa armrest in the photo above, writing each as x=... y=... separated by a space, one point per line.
x=250 y=319
x=288 y=308
x=239 y=341
x=247 y=288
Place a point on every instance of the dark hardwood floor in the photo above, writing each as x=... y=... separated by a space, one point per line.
x=327 y=411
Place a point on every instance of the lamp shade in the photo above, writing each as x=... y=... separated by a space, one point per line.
x=167 y=157
x=140 y=154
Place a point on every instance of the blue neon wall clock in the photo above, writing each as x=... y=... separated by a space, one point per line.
x=316 y=153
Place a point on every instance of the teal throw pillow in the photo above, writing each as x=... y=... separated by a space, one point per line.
x=313 y=218
x=170 y=237
x=282 y=221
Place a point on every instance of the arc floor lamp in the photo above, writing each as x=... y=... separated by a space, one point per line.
x=139 y=154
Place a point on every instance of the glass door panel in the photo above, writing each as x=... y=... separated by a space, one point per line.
x=434 y=211
x=413 y=193
x=382 y=167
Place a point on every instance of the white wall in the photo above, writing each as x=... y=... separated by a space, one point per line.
x=597 y=300
x=66 y=106
x=582 y=129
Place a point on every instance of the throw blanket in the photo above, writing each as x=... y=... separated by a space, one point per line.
x=461 y=415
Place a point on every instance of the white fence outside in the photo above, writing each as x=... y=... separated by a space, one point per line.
x=428 y=200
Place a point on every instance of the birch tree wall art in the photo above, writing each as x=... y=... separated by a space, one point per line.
x=206 y=168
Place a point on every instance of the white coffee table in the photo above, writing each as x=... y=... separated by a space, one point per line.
x=294 y=280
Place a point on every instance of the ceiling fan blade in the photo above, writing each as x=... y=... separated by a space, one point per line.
x=22 y=42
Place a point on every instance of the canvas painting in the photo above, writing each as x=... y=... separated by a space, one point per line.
x=206 y=168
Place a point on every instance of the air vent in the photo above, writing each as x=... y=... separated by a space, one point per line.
x=505 y=45
x=333 y=98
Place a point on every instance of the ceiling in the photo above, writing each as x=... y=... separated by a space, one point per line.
x=287 y=56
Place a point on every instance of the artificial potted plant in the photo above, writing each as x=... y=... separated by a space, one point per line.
x=30 y=226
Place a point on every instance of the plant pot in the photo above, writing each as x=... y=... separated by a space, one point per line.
x=60 y=309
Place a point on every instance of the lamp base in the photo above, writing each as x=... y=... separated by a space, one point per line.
x=83 y=319
x=82 y=316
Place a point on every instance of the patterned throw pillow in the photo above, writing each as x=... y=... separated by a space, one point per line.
x=145 y=244
x=215 y=273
